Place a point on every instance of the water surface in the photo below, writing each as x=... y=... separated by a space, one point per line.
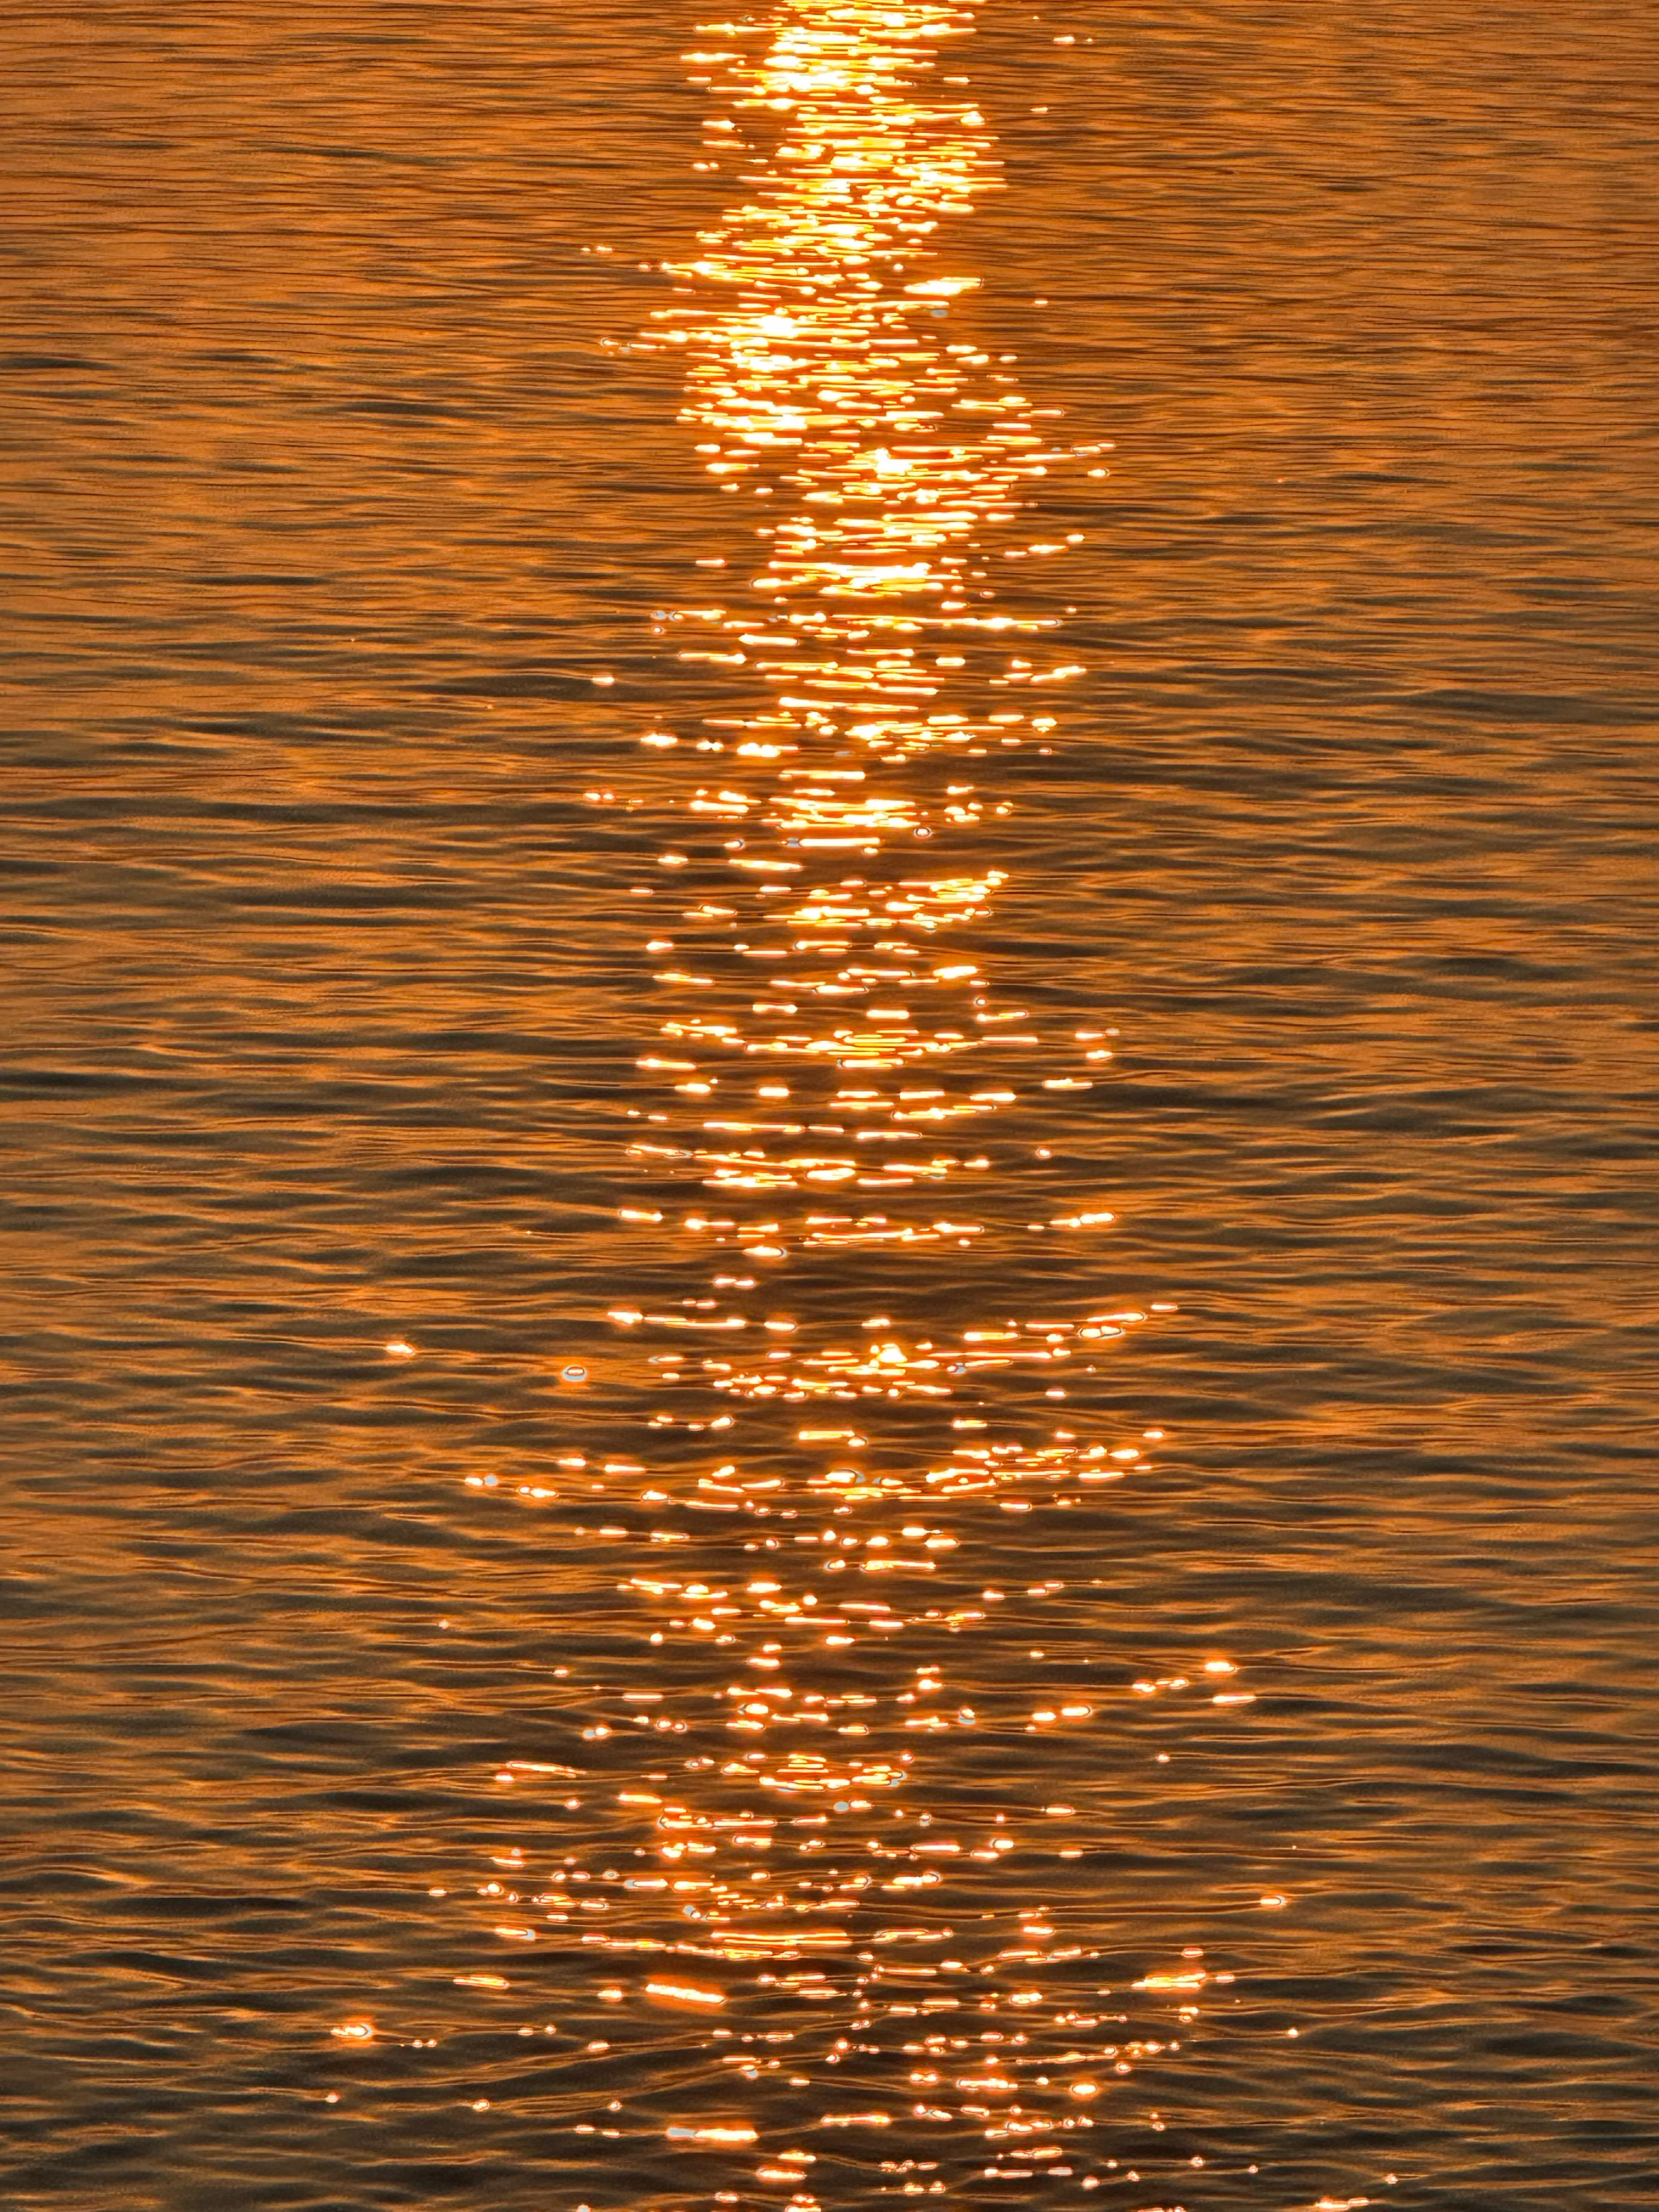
x=360 y=533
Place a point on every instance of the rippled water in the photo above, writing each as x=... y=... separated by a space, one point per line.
x=831 y=1102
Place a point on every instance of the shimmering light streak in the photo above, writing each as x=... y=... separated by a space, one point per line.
x=842 y=1099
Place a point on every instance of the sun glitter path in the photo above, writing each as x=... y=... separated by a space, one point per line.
x=806 y=1911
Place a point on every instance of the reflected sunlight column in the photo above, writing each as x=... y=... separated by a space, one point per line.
x=872 y=1325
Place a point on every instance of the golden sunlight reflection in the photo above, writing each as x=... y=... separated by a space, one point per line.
x=804 y=1830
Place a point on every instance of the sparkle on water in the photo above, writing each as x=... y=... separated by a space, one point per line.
x=821 y=1887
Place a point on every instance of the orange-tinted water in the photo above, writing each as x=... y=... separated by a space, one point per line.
x=831 y=1080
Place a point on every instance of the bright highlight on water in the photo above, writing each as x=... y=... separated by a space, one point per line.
x=841 y=1097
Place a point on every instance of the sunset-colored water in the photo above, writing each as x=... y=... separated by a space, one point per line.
x=832 y=1073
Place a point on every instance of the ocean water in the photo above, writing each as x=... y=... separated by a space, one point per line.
x=830 y=1109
